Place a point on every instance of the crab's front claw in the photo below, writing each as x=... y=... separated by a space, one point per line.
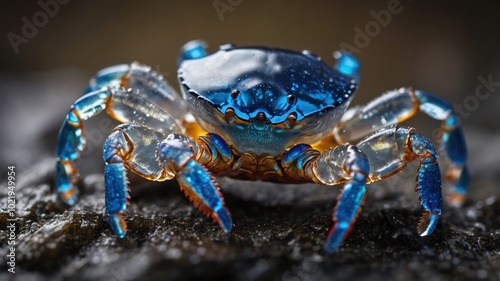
x=428 y=183
x=429 y=187
x=202 y=189
x=176 y=155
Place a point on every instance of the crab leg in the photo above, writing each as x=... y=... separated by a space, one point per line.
x=194 y=49
x=399 y=105
x=152 y=97
x=176 y=155
x=145 y=83
x=149 y=154
x=347 y=64
x=133 y=147
x=344 y=163
x=124 y=106
x=355 y=165
x=388 y=151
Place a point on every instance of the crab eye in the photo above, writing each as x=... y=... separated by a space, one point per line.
x=230 y=112
x=230 y=115
x=291 y=98
x=291 y=120
x=235 y=94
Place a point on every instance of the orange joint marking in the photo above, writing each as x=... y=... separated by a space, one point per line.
x=77 y=124
x=123 y=224
x=70 y=170
x=416 y=106
x=454 y=173
x=68 y=193
x=126 y=77
x=456 y=199
x=108 y=107
x=424 y=221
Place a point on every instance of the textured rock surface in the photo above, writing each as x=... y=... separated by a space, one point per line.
x=168 y=237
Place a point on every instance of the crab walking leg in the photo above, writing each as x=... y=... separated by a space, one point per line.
x=399 y=105
x=388 y=151
x=355 y=165
x=145 y=83
x=194 y=49
x=176 y=155
x=133 y=147
x=344 y=163
x=347 y=64
x=119 y=103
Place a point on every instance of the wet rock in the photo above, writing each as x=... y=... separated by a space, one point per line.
x=169 y=237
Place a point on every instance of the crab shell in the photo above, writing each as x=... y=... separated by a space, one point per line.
x=264 y=100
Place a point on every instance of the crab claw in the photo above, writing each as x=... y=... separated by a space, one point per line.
x=203 y=191
x=429 y=187
x=428 y=183
x=175 y=154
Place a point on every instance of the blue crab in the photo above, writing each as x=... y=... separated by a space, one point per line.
x=259 y=113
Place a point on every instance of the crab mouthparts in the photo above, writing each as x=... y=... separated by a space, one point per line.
x=260 y=122
x=261 y=117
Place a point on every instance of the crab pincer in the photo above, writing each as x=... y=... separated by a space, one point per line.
x=177 y=156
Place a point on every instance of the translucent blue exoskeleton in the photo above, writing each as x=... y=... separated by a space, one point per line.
x=259 y=113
